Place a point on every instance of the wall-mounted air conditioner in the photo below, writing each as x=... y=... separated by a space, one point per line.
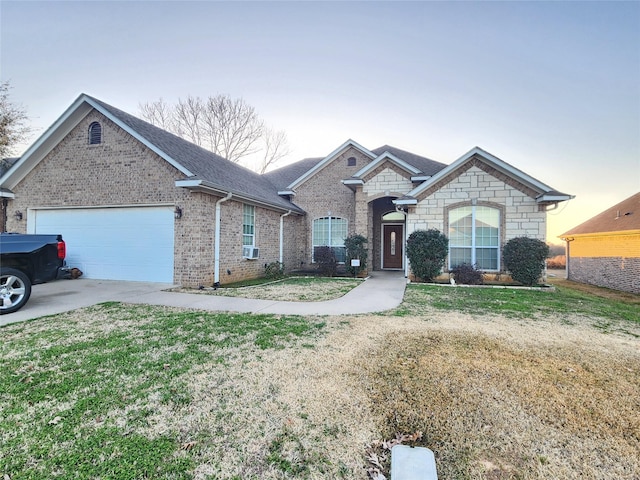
x=250 y=253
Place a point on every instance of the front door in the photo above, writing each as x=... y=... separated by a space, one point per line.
x=392 y=236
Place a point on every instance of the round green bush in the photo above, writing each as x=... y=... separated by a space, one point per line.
x=356 y=249
x=524 y=258
x=427 y=251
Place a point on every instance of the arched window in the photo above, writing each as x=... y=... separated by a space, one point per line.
x=330 y=232
x=95 y=133
x=474 y=237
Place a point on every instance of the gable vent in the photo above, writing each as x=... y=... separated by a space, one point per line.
x=95 y=134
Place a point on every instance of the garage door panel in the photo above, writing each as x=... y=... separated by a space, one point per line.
x=115 y=243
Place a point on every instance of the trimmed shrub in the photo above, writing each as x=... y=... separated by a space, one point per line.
x=274 y=270
x=524 y=258
x=467 y=274
x=427 y=251
x=326 y=260
x=356 y=249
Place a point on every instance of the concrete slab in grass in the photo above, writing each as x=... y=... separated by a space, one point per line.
x=412 y=463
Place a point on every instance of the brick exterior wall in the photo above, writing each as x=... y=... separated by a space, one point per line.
x=617 y=273
x=606 y=260
x=324 y=192
x=123 y=172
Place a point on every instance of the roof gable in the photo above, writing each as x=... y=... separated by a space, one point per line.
x=202 y=168
x=499 y=168
x=623 y=216
x=327 y=160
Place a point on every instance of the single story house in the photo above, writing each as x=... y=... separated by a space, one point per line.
x=135 y=202
x=605 y=250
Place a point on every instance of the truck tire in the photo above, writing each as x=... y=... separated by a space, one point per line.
x=15 y=290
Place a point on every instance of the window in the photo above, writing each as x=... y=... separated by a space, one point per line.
x=248 y=225
x=95 y=133
x=474 y=237
x=351 y=162
x=330 y=232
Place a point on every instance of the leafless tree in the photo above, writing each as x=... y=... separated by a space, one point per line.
x=158 y=113
x=228 y=127
x=13 y=123
x=275 y=148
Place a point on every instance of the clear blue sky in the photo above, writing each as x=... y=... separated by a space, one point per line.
x=553 y=88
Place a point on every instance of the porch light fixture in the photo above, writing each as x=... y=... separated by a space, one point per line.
x=177 y=213
x=18 y=215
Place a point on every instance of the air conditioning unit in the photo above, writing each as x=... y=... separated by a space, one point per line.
x=250 y=252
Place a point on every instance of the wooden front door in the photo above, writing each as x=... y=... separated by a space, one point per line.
x=392 y=240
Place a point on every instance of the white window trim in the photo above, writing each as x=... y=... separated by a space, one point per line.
x=473 y=237
x=253 y=217
x=313 y=234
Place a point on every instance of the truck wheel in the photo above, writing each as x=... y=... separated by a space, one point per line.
x=15 y=290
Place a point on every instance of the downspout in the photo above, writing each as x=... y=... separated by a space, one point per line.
x=567 y=267
x=282 y=235
x=404 y=241
x=216 y=246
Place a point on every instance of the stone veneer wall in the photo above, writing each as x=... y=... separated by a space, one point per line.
x=521 y=215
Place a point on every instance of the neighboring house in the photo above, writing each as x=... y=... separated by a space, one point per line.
x=605 y=250
x=135 y=202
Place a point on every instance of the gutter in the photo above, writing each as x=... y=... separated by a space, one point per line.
x=216 y=247
x=282 y=235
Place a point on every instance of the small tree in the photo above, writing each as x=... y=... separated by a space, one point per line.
x=427 y=251
x=14 y=126
x=356 y=249
x=524 y=258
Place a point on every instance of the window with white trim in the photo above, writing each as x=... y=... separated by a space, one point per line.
x=330 y=232
x=95 y=133
x=248 y=225
x=474 y=237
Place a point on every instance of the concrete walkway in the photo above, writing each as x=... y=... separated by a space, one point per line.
x=381 y=291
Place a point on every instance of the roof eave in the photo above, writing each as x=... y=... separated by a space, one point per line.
x=208 y=187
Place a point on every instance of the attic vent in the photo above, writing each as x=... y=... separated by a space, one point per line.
x=351 y=162
x=95 y=134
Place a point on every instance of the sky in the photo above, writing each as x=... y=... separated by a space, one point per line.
x=552 y=88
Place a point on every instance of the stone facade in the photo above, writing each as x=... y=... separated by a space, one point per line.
x=520 y=214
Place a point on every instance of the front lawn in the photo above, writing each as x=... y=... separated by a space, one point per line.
x=533 y=385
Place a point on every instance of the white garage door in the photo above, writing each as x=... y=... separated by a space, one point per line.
x=114 y=243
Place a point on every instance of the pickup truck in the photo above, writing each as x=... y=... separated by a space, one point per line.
x=27 y=260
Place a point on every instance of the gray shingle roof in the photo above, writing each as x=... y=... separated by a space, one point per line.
x=205 y=165
x=284 y=176
x=424 y=164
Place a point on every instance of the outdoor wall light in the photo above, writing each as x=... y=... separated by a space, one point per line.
x=177 y=212
x=18 y=215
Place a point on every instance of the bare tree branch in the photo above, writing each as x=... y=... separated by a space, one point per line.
x=228 y=127
x=158 y=113
x=275 y=148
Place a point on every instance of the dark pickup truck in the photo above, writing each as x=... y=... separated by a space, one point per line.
x=27 y=260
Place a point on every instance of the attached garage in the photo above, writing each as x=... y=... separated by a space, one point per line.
x=123 y=243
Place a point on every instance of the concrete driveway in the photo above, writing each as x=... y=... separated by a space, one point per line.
x=381 y=291
x=64 y=295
